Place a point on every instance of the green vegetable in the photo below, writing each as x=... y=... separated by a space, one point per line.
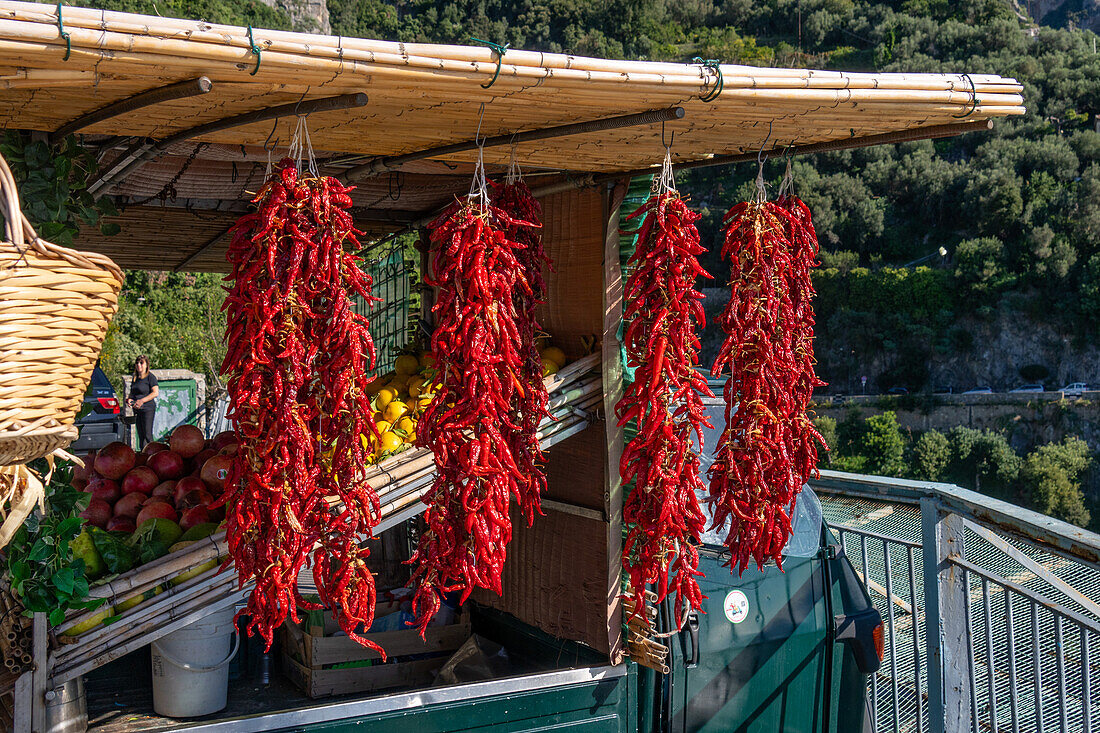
x=47 y=561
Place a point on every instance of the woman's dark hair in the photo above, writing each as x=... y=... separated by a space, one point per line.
x=138 y=360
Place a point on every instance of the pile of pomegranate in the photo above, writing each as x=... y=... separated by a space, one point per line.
x=177 y=480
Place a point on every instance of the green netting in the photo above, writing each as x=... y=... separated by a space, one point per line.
x=392 y=266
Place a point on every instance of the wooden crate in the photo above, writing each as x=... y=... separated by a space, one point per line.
x=309 y=656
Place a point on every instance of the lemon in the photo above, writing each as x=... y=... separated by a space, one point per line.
x=394 y=411
x=554 y=354
x=375 y=385
x=406 y=364
x=384 y=397
x=91 y=622
x=549 y=367
x=416 y=386
x=389 y=441
x=406 y=425
x=132 y=601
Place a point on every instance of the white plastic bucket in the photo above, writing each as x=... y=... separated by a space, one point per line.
x=191 y=666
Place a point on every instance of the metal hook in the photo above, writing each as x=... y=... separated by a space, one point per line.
x=299 y=104
x=672 y=137
x=761 y=157
x=274 y=125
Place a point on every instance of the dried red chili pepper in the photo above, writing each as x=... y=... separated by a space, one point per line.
x=297 y=367
x=480 y=352
x=664 y=311
x=768 y=448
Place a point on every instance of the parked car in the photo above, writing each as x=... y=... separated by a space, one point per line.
x=897 y=391
x=1027 y=388
x=1075 y=388
x=100 y=419
x=979 y=390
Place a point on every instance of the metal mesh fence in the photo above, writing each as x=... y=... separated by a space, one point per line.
x=1032 y=659
x=392 y=265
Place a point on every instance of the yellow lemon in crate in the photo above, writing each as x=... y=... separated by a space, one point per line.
x=375 y=385
x=415 y=386
x=389 y=441
x=406 y=364
x=408 y=426
x=91 y=622
x=394 y=411
x=384 y=397
x=554 y=354
x=549 y=367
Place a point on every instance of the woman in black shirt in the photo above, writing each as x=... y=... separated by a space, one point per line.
x=143 y=394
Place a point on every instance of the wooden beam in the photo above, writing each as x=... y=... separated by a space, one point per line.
x=137 y=158
x=180 y=90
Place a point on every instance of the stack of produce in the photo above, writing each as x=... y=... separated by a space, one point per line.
x=481 y=357
x=662 y=513
x=769 y=446
x=297 y=371
x=145 y=505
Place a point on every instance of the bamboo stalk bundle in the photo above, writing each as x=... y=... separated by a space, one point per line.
x=437 y=89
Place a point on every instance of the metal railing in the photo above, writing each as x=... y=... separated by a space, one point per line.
x=991 y=611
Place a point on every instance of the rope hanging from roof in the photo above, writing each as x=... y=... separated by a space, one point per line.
x=64 y=34
x=256 y=50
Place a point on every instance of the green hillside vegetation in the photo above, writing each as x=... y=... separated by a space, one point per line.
x=1048 y=479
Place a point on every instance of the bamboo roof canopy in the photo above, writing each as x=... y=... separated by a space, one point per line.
x=185 y=114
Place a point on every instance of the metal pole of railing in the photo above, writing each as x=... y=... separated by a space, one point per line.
x=916 y=637
x=970 y=653
x=1086 y=674
x=866 y=587
x=892 y=636
x=1060 y=657
x=1037 y=665
x=1013 y=701
x=944 y=612
x=990 y=666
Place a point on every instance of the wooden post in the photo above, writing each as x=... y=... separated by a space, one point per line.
x=612 y=391
x=945 y=619
x=39 y=674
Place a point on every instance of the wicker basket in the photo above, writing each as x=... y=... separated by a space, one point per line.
x=55 y=305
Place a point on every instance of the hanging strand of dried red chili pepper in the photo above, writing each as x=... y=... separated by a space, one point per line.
x=664 y=311
x=480 y=355
x=297 y=366
x=530 y=402
x=766 y=451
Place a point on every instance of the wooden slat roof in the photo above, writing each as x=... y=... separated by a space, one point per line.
x=423 y=96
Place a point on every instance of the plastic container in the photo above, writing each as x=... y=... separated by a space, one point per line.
x=191 y=666
x=67 y=708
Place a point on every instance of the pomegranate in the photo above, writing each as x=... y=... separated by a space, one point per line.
x=98 y=513
x=156 y=510
x=187 y=440
x=185 y=486
x=203 y=456
x=229 y=450
x=167 y=464
x=164 y=490
x=153 y=499
x=221 y=440
x=121 y=524
x=194 y=515
x=214 y=472
x=82 y=472
x=104 y=489
x=129 y=505
x=154 y=447
x=202 y=497
x=142 y=480
x=114 y=461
